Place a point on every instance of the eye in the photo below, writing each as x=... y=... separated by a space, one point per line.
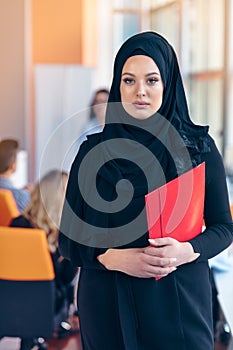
x=152 y=81
x=128 y=81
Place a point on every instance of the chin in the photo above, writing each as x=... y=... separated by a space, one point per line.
x=141 y=115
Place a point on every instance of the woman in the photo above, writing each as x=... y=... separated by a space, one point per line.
x=96 y=119
x=94 y=124
x=98 y=106
x=148 y=140
x=44 y=212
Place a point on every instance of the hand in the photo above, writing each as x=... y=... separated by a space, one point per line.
x=28 y=187
x=170 y=247
x=137 y=262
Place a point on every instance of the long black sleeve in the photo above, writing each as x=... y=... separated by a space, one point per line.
x=70 y=229
x=218 y=234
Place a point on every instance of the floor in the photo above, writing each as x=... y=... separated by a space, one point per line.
x=71 y=343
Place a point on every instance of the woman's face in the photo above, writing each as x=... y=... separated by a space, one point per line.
x=141 y=87
x=100 y=105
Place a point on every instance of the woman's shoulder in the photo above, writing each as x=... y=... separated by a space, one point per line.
x=94 y=139
x=91 y=141
x=214 y=161
x=213 y=154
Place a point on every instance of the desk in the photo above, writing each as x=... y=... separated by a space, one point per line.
x=224 y=284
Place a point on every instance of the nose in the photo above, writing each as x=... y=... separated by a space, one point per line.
x=141 y=91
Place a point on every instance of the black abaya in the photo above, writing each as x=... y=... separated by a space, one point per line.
x=117 y=311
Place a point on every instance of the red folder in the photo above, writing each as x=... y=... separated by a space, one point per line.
x=176 y=208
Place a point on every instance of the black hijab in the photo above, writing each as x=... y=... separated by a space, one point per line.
x=174 y=107
x=174 y=140
x=132 y=157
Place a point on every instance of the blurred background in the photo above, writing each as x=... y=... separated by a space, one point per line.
x=55 y=53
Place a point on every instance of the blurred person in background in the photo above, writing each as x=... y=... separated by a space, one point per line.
x=8 y=166
x=94 y=124
x=44 y=212
x=97 y=112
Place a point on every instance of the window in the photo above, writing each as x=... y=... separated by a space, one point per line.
x=165 y=20
x=229 y=86
x=201 y=32
x=196 y=29
x=126 y=21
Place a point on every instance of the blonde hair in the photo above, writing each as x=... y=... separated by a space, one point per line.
x=44 y=210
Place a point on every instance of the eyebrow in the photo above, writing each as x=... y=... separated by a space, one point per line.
x=133 y=75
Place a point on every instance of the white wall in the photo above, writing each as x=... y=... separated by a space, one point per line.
x=104 y=65
x=12 y=71
x=20 y=177
x=62 y=95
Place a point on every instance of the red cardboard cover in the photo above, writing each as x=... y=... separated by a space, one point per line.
x=176 y=208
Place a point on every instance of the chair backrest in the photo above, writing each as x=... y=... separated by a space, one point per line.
x=27 y=284
x=232 y=211
x=8 y=207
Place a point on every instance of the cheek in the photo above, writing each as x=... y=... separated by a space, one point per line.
x=122 y=92
x=126 y=92
x=158 y=97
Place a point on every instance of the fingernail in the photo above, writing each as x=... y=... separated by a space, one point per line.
x=152 y=241
x=173 y=259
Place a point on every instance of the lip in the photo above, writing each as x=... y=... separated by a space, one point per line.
x=141 y=104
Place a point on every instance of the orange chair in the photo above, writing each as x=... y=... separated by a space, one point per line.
x=232 y=211
x=8 y=207
x=27 y=285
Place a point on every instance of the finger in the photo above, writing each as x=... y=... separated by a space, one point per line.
x=160 y=276
x=196 y=255
x=158 y=271
x=160 y=254
x=158 y=242
x=158 y=261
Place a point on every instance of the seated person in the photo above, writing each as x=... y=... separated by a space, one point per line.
x=8 y=164
x=44 y=212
